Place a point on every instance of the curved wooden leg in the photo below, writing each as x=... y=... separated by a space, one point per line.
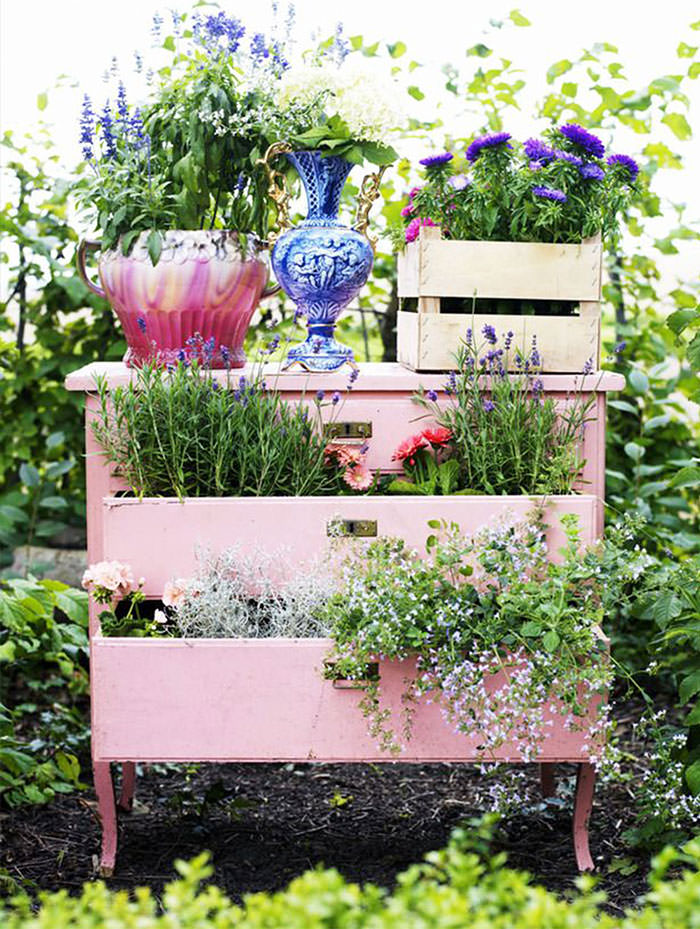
x=583 y=803
x=547 y=780
x=126 y=795
x=104 y=788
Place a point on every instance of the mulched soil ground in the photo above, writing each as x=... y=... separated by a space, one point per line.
x=266 y=823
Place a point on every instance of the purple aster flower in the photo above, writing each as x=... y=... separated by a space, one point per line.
x=432 y=396
x=490 y=334
x=459 y=182
x=432 y=161
x=141 y=323
x=585 y=140
x=87 y=128
x=489 y=405
x=414 y=227
x=625 y=162
x=486 y=141
x=567 y=156
x=335 y=398
x=550 y=193
x=413 y=191
x=537 y=150
x=320 y=395
x=407 y=210
x=592 y=172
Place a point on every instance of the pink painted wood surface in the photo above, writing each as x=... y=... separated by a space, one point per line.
x=393 y=417
x=384 y=376
x=583 y=805
x=265 y=700
x=104 y=788
x=158 y=537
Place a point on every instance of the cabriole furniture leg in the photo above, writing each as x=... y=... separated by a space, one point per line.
x=583 y=804
x=126 y=794
x=104 y=788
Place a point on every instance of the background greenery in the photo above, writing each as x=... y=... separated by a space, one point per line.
x=50 y=324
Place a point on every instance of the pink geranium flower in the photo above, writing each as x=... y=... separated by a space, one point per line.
x=109 y=579
x=174 y=592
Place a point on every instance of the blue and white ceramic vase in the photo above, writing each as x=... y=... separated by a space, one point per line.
x=321 y=263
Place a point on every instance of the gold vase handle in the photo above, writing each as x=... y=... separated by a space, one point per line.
x=85 y=246
x=277 y=189
x=369 y=191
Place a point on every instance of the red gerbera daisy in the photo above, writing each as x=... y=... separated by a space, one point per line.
x=409 y=447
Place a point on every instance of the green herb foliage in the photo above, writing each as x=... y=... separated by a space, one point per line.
x=507 y=437
x=182 y=433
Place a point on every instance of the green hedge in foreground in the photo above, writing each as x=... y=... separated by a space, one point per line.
x=455 y=888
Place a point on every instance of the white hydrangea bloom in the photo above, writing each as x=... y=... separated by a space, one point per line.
x=360 y=94
x=305 y=84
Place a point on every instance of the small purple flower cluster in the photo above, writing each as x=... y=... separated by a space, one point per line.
x=549 y=193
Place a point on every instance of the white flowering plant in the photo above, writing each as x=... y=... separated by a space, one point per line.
x=504 y=639
x=349 y=111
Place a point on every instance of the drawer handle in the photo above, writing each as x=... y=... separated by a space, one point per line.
x=358 y=528
x=348 y=430
x=371 y=672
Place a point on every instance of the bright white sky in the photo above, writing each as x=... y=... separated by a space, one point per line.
x=41 y=39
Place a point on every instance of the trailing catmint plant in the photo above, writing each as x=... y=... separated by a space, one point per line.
x=505 y=434
x=505 y=640
x=561 y=188
x=181 y=432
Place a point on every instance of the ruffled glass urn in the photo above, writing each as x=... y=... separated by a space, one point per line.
x=322 y=264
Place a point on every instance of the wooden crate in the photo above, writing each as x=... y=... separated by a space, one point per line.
x=432 y=268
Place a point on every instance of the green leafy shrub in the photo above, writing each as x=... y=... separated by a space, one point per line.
x=459 y=886
x=43 y=660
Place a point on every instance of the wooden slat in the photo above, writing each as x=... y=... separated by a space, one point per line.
x=501 y=270
x=566 y=343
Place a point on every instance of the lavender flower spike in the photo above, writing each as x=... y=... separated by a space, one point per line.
x=87 y=128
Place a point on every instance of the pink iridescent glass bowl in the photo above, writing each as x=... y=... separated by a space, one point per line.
x=196 y=302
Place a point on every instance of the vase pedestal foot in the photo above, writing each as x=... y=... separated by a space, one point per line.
x=320 y=353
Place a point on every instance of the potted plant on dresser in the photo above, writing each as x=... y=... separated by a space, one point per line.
x=174 y=187
x=511 y=236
